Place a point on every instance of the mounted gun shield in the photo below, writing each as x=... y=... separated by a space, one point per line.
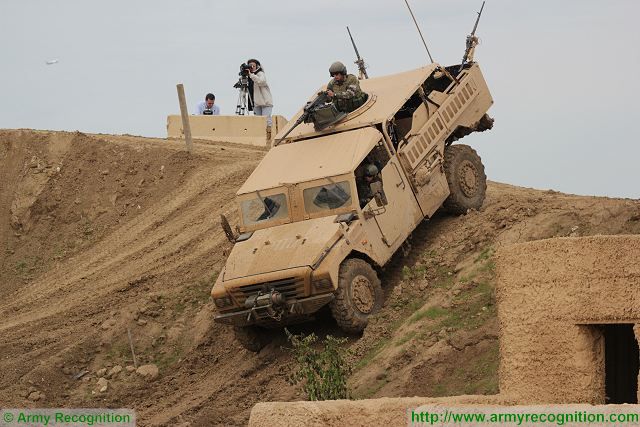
x=319 y=111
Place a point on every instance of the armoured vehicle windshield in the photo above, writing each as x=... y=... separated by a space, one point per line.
x=263 y=209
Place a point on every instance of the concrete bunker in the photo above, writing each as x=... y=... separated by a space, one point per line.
x=617 y=349
x=569 y=317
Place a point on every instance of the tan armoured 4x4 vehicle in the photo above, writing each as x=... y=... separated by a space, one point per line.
x=326 y=209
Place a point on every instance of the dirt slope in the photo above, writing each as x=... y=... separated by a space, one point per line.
x=102 y=233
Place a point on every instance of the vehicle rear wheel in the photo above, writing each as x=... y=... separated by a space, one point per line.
x=359 y=295
x=466 y=178
x=253 y=338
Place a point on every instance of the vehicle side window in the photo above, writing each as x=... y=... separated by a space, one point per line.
x=327 y=197
x=369 y=172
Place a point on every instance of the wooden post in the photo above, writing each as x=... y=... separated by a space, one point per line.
x=185 y=117
x=133 y=353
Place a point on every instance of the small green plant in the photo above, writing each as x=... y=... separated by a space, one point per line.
x=485 y=254
x=21 y=267
x=415 y=272
x=86 y=229
x=406 y=272
x=323 y=373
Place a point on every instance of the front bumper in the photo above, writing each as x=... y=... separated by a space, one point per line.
x=264 y=315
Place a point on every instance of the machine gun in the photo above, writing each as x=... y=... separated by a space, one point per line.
x=319 y=111
x=472 y=42
x=359 y=62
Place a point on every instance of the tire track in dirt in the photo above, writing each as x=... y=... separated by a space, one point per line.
x=57 y=312
x=129 y=252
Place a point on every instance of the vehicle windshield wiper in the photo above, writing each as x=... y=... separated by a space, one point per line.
x=266 y=208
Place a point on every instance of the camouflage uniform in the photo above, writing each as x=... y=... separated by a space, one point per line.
x=347 y=95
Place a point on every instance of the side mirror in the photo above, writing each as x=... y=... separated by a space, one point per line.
x=231 y=236
x=378 y=194
x=346 y=217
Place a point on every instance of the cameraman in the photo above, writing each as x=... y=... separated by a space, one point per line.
x=259 y=93
x=208 y=107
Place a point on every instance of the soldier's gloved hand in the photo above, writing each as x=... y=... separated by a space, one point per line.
x=330 y=93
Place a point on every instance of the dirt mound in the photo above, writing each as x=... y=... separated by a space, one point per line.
x=103 y=234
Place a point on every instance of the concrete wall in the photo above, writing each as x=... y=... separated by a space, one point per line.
x=550 y=296
x=368 y=412
x=249 y=130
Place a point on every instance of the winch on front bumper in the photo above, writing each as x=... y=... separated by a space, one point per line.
x=273 y=307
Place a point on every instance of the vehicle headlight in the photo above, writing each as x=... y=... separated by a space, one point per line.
x=223 y=302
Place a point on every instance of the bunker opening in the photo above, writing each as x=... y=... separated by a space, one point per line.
x=621 y=363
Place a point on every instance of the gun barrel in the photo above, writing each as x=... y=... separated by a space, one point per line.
x=354 y=44
x=360 y=62
x=475 y=27
x=471 y=40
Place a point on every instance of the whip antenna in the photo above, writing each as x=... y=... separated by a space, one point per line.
x=419 y=32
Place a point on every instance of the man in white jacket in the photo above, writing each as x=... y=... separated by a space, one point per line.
x=260 y=93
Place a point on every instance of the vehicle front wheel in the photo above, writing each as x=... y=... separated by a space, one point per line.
x=253 y=338
x=359 y=295
x=466 y=178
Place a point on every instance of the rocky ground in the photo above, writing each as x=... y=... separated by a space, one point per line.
x=105 y=237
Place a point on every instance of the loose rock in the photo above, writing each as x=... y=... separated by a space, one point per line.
x=148 y=371
x=102 y=385
x=35 y=396
x=114 y=371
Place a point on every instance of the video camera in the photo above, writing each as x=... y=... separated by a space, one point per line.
x=243 y=81
x=244 y=69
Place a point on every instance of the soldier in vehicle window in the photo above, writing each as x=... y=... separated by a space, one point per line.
x=344 y=89
x=363 y=183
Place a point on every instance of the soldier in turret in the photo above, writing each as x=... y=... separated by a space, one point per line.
x=344 y=89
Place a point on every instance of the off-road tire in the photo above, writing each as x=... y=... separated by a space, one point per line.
x=253 y=338
x=466 y=178
x=359 y=295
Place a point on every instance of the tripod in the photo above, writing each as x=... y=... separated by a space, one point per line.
x=243 y=96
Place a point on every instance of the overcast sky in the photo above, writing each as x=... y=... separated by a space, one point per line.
x=563 y=74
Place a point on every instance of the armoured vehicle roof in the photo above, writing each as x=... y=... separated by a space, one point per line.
x=389 y=94
x=311 y=159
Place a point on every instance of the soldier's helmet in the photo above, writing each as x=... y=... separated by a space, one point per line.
x=337 y=67
x=371 y=170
